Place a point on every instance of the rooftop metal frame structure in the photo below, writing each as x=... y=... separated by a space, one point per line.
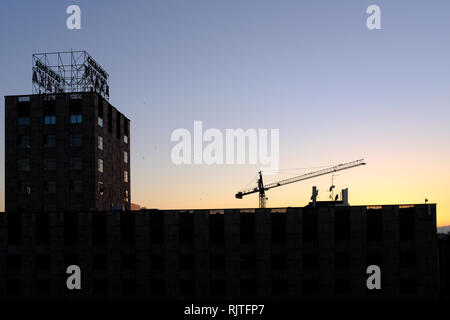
x=68 y=71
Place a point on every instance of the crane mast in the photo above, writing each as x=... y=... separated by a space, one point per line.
x=262 y=192
x=261 y=188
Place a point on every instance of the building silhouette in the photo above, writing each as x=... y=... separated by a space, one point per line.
x=65 y=152
x=68 y=202
x=444 y=265
x=280 y=253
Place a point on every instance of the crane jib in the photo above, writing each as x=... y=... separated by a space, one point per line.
x=261 y=188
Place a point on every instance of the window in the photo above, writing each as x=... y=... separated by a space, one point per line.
x=109 y=118
x=128 y=286
x=23 y=141
x=75 y=111
x=76 y=163
x=407 y=259
x=50 y=187
x=100 y=188
x=157 y=287
x=118 y=116
x=125 y=176
x=100 y=113
x=125 y=157
x=76 y=140
x=24 y=165
x=156 y=228
x=43 y=286
x=310 y=261
x=14 y=228
x=49 y=112
x=407 y=224
x=186 y=228
x=25 y=206
x=24 y=187
x=14 y=262
x=342 y=225
x=216 y=228
x=157 y=261
x=49 y=207
x=128 y=262
x=408 y=286
x=217 y=261
x=187 y=261
x=125 y=139
x=100 y=165
x=100 y=108
x=127 y=228
x=125 y=198
x=42 y=229
x=279 y=261
x=247 y=228
x=49 y=141
x=248 y=261
x=187 y=287
x=248 y=287
x=71 y=258
x=99 y=228
x=76 y=118
x=49 y=119
x=43 y=262
x=14 y=287
x=279 y=287
x=50 y=164
x=76 y=186
x=310 y=225
x=100 y=287
x=375 y=258
x=23 y=121
x=374 y=225
x=342 y=260
x=100 y=142
x=278 y=227
x=310 y=286
x=71 y=234
x=76 y=206
x=342 y=287
x=217 y=287
x=126 y=125
x=23 y=113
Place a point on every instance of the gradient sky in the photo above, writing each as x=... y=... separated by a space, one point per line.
x=336 y=90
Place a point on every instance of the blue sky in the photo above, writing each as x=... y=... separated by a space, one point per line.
x=336 y=90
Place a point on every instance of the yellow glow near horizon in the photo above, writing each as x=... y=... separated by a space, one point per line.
x=379 y=183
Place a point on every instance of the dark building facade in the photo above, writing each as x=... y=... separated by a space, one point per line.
x=280 y=253
x=444 y=265
x=65 y=152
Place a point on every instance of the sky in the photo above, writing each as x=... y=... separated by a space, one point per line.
x=336 y=91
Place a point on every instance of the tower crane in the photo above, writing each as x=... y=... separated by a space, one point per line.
x=261 y=188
